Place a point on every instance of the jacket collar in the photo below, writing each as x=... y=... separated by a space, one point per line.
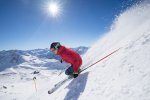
x=60 y=50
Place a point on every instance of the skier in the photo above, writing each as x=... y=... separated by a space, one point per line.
x=68 y=56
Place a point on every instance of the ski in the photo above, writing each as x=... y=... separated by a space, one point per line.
x=59 y=84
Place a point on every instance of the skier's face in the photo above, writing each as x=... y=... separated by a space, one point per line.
x=54 y=50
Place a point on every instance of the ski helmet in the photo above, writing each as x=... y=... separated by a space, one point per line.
x=55 y=45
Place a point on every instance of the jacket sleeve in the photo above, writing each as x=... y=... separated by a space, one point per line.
x=76 y=66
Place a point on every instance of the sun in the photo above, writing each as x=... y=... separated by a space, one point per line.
x=54 y=9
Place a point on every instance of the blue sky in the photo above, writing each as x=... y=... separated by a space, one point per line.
x=24 y=24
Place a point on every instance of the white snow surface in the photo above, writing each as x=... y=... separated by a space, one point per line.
x=125 y=75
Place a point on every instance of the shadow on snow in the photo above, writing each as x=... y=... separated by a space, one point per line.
x=76 y=87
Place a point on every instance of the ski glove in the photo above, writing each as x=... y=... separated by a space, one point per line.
x=61 y=61
x=75 y=75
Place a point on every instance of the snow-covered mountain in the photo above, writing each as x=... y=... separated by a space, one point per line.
x=124 y=75
x=12 y=58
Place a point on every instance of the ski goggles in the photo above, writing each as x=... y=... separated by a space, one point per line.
x=52 y=49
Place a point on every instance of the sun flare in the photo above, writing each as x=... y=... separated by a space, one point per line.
x=54 y=9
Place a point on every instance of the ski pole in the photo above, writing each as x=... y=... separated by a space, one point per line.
x=34 y=78
x=61 y=72
x=101 y=59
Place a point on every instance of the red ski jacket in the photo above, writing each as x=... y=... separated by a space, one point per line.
x=71 y=57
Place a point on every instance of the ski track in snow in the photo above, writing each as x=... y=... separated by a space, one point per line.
x=124 y=75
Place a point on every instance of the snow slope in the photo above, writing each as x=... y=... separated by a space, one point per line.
x=124 y=75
